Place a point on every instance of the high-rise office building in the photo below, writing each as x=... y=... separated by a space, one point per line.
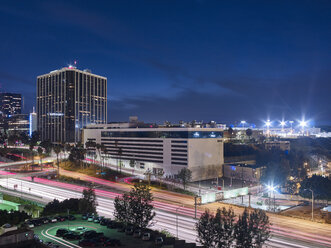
x=67 y=100
x=10 y=104
x=32 y=122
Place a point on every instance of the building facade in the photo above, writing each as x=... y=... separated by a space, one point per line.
x=165 y=150
x=67 y=100
x=10 y=104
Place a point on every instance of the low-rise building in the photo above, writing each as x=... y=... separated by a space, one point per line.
x=243 y=171
x=278 y=145
x=163 y=150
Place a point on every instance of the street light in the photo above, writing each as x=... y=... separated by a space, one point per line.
x=271 y=189
x=243 y=123
x=283 y=124
x=312 y=203
x=291 y=122
x=303 y=124
x=268 y=124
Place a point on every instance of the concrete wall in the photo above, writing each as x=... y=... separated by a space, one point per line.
x=205 y=158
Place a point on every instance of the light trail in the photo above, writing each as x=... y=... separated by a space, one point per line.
x=165 y=215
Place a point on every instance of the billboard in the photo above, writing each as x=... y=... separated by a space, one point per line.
x=207 y=198
x=235 y=193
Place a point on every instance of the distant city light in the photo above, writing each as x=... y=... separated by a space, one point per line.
x=283 y=123
x=268 y=123
x=303 y=123
x=243 y=122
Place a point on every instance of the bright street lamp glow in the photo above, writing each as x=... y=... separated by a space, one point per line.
x=303 y=123
x=243 y=122
x=268 y=123
x=282 y=123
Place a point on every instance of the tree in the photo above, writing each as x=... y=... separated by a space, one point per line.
x=185 y=175
x=135 y=207
x=40 y=153
x=259 y=226
x=321 y=186
x=224 y=223
x=242 y=233
x=47 y=145
x=122 y=211
x=206 y=231
x=77 y=154
x=252 y=229
x=249 y=132
x=58 y=149
x=88 y=203
x=216 y=231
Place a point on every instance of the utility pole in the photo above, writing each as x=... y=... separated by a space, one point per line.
x=195 y=206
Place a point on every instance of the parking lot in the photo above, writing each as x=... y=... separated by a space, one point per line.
x=99 y=235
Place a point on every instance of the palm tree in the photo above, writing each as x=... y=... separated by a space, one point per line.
x=40 y=153
x=58 y=149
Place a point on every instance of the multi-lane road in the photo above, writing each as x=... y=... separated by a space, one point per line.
x=177 y=219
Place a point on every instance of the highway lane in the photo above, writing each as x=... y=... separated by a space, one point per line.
x=165 y=217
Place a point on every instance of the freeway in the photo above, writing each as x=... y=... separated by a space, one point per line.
x=179 y=219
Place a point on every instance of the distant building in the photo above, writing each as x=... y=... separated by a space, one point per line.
x=160 y=150
x=32 y=122
x=241 y=171
x=10 y=104
x=18 y=124
x=67 y=100
x=277 y=145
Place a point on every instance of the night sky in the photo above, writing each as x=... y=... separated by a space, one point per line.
x=179 y=60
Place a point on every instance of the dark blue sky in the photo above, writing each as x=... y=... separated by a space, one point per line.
x=179 y=60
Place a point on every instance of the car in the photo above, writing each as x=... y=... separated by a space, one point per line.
x=29 y=224
x=53 y=220
x=89 y=234
x=159 y=241
x=45 y=220
x=96 y=219
x=87 y=243
x=60 y=218
x=71 y=217
x=146 y=236
x=81 y=228
x=72 y=236
x=84 y=217
x=104 y=222
x=112 y=224
x=61 y=232
x=90 y=219
x=129 y=231
x=112 y=242
x=137 y=233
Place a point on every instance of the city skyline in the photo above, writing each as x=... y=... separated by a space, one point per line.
x=189 y=60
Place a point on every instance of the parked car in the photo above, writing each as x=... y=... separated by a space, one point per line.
x=84 y=217
x=129 y=231
x=112 y=224
x=71 y=217
x=112 y=242
x=61 y=232
x=72 y=236
x=159 y=241
x=60 y=218
x=45 y=220
x=90 y=219
x=146 y=236
x=29 y=224
x=137 y=233
x=53 y=219
x=87 y=243
x=90 y=234
x=96 y=219
x=104 y=222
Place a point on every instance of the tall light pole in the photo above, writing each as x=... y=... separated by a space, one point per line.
x=283 y=124
x=243 y=123
x=303 y=124
x=291 y=122
x=271 y=189
x=268 y=124
x=312 y=203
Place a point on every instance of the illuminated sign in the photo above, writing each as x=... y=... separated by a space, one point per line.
x=235 y=193
x=55 y=114
x=209 y=197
